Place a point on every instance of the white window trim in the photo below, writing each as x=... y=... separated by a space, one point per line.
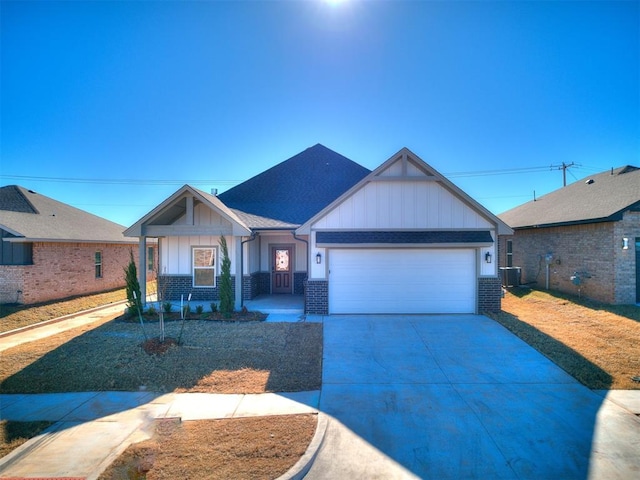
x=96 y=264
x=215 y=265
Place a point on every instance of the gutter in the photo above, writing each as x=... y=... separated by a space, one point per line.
x=254 y=235
x=304 y=297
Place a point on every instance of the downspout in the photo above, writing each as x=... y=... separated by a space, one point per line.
x=253 y=236
x=304 y=296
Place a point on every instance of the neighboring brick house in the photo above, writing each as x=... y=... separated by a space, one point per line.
x=581 y=239
x=50 y=250
x=399 y=239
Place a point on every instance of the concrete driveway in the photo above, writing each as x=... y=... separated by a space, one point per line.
x=458 y=396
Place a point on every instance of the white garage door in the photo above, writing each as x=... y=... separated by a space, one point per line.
x=402 y=281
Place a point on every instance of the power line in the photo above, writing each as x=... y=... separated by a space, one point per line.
x=115 y=181
x=133 y=181
x=564 y=168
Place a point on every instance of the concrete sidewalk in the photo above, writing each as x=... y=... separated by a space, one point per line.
x=93 y=428
x=57 y=325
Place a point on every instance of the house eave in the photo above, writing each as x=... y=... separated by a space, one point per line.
x=613 y=218
x=66 y=240
x=405 y=245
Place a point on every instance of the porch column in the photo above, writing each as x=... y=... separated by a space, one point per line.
x=142 y=268
x=239 y=272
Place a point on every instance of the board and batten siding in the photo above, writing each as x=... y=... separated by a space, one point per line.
x=175 y=253
x=402 y=205
x=203 y=215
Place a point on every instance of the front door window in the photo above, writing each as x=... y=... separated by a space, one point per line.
x=281 y=271
x=282 y=260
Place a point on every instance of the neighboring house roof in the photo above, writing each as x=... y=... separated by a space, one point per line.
x=29 y=216
x=597 y=198
x=298 y=188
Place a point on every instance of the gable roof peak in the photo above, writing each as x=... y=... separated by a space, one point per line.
x=297 y=188
x=627 y=169
x=13 y=198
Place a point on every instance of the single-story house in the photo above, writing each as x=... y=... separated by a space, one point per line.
x=50 y=250
x=581 y=239
x=399 y=239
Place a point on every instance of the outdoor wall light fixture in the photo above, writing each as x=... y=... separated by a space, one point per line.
x=487 y=257
x=318 y=258
x=625 y=243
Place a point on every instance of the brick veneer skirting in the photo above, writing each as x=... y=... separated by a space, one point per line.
x=298 y=282
x=173 y=286
x=316 y=297
x=489 y=294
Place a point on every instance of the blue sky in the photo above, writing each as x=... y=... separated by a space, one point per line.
x=112 y=106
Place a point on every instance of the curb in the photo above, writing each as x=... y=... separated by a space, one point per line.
x=302 y=466
x=60 y=319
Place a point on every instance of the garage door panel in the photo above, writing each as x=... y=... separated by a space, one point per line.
x=402 y=281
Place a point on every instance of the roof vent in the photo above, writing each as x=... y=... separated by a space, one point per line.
x=214 y=191
x=590 y=181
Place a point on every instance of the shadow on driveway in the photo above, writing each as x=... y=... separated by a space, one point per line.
x=459 y=396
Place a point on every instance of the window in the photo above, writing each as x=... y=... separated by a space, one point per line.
x=509 y=253
x=204 y=267
x=151 y=265
x=98 y=264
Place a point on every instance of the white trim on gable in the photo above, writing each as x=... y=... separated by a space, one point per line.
x=404 y=192
x=186 y=225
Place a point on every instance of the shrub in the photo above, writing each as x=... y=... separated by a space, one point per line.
x=166 y=306
x=199 y=309
x=151 y=310
x=226 y=292
x=132 y=286
x=214 y=307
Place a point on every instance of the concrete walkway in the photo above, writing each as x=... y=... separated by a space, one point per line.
x=93 y=428
x=46 y=329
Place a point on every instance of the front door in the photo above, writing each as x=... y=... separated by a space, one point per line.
x=281 y=270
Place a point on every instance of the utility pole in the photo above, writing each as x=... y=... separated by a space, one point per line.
x=563 y=167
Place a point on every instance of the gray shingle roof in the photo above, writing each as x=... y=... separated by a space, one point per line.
x=596 y=198
x=298 y=188
x=256 y=222
x=28 y=214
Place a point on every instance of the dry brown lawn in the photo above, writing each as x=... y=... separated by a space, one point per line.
x=239 y=448
x=214 y=357
x=18 y=316
x=597 y=344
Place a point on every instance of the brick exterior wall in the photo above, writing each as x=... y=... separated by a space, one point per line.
x=594 y=250
x=316 y=297
x=264 y=283
x=298 y=282
x=489 y=294
x=11 y=283
x=63 y=270
x=171 y=287
x=625 y=275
